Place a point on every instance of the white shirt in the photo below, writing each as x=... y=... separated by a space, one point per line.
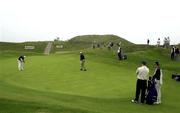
x=142 y=73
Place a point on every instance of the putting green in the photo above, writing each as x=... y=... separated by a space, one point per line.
x=60 y=73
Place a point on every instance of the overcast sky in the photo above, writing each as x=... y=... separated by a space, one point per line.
x=134 y=20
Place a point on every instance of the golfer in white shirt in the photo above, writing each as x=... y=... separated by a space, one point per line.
x=141 y=85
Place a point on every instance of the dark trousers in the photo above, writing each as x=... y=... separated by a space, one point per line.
x=141 y=86
x=172 y=56
x=119 y=56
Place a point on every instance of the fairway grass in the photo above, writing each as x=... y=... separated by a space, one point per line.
x=55 y=84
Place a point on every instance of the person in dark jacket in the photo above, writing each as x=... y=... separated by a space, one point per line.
x=176 y=53
x=158 y=81
x=173 y=53
x=148 y=41
x=21 y=61
x=82 y=62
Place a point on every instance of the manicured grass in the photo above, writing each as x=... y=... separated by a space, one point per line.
x=54 y=84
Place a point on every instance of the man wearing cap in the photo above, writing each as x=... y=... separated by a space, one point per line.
x=21 y=62
x=82 y=62
x=141 y=84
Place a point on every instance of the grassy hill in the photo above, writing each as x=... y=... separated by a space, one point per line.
x=8 y=49
x=54 y=83
x=86 y=41
x=99 y=39
x=15 y=47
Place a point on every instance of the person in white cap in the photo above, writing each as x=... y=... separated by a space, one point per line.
x=21 y=61
x=82 y=62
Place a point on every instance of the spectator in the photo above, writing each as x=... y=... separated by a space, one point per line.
x=173 y=53
x=120 y=57
x=158 y=81
x=177 y=53
x=148 y=41
x=158 y=42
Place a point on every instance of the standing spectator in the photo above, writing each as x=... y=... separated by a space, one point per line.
x=173 y=53
x=110 y=45
x=119 y=52
x=168 y=41
x=148 y=41
x=141 y=84
x=165 y=42
x=158 y=42
x=21 y=61
x=158 y=81
x=98 y=45
x=177 y=53
x=177 y=50
x=82 y=62
x=93 y=46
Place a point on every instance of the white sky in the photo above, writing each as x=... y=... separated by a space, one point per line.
x=135 y=20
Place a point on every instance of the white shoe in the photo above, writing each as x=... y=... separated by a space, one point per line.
x=134 y=101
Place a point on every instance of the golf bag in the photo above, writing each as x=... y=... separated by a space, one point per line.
x=151 y=96
x=176 y=77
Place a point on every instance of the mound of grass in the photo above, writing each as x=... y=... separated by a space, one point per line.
x=99 y=39
x=86 y=41
x=20 y=47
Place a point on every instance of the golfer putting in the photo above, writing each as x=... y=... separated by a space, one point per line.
x=82 y=62
x=21 y=61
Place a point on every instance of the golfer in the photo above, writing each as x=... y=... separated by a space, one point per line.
x=158 y=81
x=82 y=62
x=141 y=85
x=21 y=62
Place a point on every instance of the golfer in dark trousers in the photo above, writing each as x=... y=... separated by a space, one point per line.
x=141 y=85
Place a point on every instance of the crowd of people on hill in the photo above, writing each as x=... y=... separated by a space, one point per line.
x=166 y=43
